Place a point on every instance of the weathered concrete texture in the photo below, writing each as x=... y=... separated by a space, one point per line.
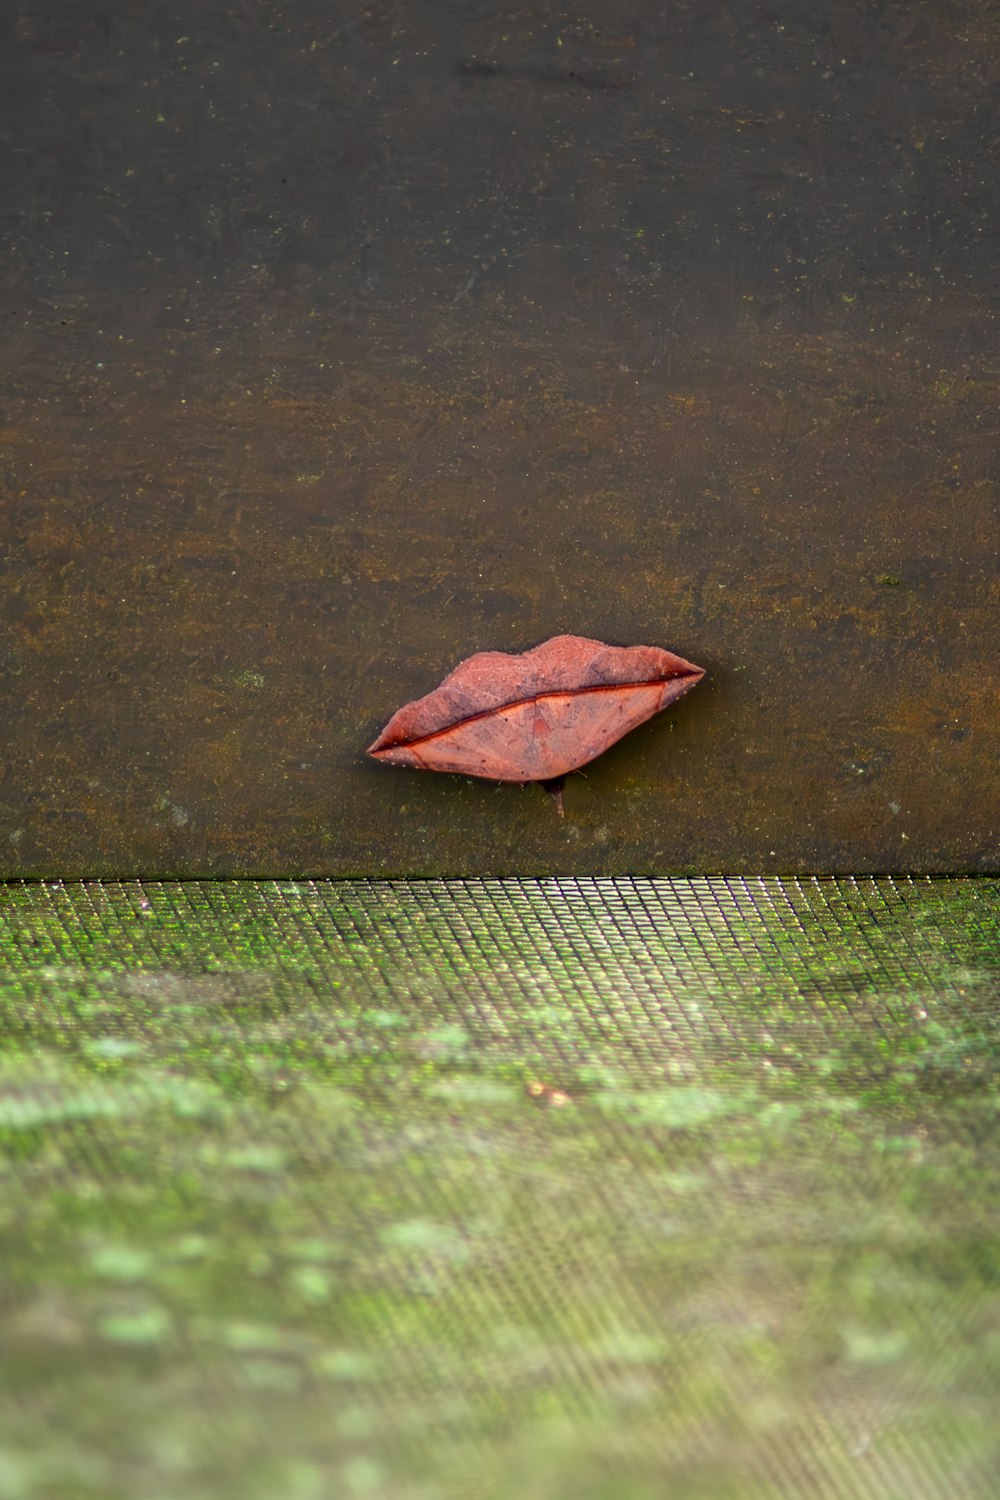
x=342 y=346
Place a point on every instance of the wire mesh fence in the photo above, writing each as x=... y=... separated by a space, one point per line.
x=575 y=1187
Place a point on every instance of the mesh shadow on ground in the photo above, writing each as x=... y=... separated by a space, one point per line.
x=573 y=1187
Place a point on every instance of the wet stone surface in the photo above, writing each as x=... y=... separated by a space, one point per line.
x=341 y=346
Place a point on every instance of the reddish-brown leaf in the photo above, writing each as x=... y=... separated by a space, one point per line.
x=537 y=716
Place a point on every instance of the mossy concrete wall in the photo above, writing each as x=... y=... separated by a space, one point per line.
x=611 y=1190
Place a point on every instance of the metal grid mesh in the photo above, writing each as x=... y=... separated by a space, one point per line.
x=591 y=1187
